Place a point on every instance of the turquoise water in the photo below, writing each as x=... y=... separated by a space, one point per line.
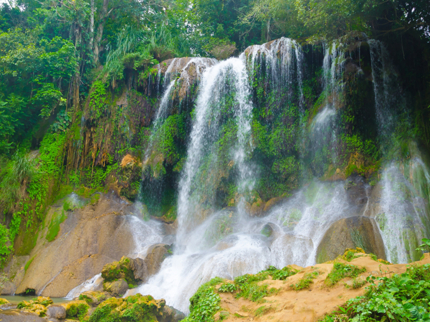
x=16 y=299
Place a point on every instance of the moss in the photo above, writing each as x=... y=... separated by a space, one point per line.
x=54 y=226
x=37 y=305
x=76 y=309
x=27 y=265
x=26 y=241
x=3 y=301
x=119 y=270
x=94 y=199
x=133 y=308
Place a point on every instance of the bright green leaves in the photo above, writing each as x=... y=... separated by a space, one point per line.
x=5 y=244
x=98 y=99
x=205 y=302
x=403 y=297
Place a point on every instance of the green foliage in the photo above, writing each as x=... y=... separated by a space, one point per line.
x=77 y=310
x=425 y=246
x=227 y=288
x=205 y=302
x=98 y=99
x=5 y=245
x=341 y=271
x=403 y=297
x=131 y=309
x=305 y=282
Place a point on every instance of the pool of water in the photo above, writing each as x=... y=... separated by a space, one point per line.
x=16 y=299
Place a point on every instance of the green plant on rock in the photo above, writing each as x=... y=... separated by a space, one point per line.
x=341 y=271
x=54 y=226
x=227 y=288
x=131 y=309
x=402 y=297
x=205 y=302
x=77 y=310
x=5 y=245
x=305 y=282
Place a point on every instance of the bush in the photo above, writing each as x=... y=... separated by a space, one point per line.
x=5 y=245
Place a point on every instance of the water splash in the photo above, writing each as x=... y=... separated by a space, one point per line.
x=92 y=284
x=227 y=246
x=403 y=217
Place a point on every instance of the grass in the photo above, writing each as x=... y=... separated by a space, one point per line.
x=341 y=271
x=305 y=282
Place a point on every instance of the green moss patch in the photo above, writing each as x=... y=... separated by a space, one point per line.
x=54 y=226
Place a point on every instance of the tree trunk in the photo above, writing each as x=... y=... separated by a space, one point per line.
x=92 y=26
x=104 y=14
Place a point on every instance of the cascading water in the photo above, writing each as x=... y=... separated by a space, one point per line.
x=403 y=213
x=228 y=243
x=197 y=187
x=324 y=128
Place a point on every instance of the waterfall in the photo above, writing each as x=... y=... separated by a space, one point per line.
x=389 y=101
x=403 y=214
x=227 y=79
x=323 y=132
x=228 y=247
x=282 y=59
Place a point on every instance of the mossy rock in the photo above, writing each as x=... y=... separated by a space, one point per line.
x=94 y=298
x=76 y=309
x=351 y=233
x=118 y=287
x=37 y=305
x=119 y=270
x=3 y=301
x=133 y=308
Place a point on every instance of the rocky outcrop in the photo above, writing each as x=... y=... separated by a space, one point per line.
x=13 y=275
x=88 y=239
x=19 y=316
x=188 y=70
x=116 y=288
x=352 y=232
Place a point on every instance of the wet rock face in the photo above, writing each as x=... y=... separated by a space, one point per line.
x=352 y=232
x=188 y=70
x=88 y=239
x=357 y=190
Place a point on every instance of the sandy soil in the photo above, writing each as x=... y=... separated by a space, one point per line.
x=310 y=304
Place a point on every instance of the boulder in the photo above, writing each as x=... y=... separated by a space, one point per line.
x=118 y=287
x=352 y=232
x=7 y=288
x=170 y=314
x=19 y=316
x=56 y=312
x=155 y=256
x=89 y=238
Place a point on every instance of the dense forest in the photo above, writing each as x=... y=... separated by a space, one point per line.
x=80 y=86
